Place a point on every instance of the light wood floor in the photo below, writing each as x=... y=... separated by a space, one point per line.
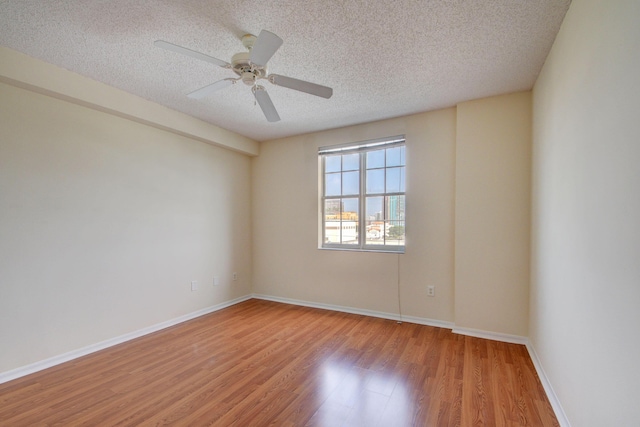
x=261 y=363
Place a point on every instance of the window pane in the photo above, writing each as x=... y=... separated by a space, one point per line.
x=349 y=225
x=375 y=210
x=350 y=209
x=396 y=180
x=332 y=163
x=332 y=232
x=374 y=221
x=393 y=180
x=349 y=232
x=351 y=162
x=332 y=209
x=375 y=159
x=394 y=208
x=395 y=156
x=375 y=181
x=395 y=233
x=351 y=183
x=375 y=232
x=332 y=184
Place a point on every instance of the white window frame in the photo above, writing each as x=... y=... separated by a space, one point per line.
x=362 y=148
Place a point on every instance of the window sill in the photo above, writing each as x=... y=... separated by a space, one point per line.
x=384 y=251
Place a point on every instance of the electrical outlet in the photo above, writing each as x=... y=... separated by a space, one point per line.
x=216 y=281
x=431 y=291
x=235 y=276
x=194 y=285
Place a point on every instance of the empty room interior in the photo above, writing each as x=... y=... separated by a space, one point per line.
x=173 y=249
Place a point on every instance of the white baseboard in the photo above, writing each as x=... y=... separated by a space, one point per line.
x=495 y=336
x=62 y=358
x=551 y=394
x=362 y=311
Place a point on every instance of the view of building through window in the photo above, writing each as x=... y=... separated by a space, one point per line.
x=364 y=195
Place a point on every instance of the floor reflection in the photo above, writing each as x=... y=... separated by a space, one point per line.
x=355 y=396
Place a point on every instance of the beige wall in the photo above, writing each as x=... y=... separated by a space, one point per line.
x=493 y=181
x=492 y=266
x=23 y=71
x=104 y=222
x=585 y=291
x=287 y=261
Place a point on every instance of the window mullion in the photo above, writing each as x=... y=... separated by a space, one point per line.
x=323 y=198
x=362 y=234
x=384 y=202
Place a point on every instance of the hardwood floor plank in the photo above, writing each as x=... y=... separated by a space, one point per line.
x=269 y=364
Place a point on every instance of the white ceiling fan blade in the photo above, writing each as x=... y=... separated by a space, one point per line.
x=209 y=89
x=264 y=47
x=192 y=53
x=264 y=100
x=301 y=85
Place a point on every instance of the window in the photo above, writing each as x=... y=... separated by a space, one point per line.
x=363 y=195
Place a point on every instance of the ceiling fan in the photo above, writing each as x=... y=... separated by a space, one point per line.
x=251 y=67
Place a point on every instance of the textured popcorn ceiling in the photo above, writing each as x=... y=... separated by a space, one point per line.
x=382 y=58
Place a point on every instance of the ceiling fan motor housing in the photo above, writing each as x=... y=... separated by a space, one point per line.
x=247 y=71
x=248 y=78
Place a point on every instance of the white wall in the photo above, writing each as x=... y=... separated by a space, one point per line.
x=104 y=222
x=585 y=290
x=492 y=217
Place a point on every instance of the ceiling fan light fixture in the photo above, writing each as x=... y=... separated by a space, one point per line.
x=248 y=78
